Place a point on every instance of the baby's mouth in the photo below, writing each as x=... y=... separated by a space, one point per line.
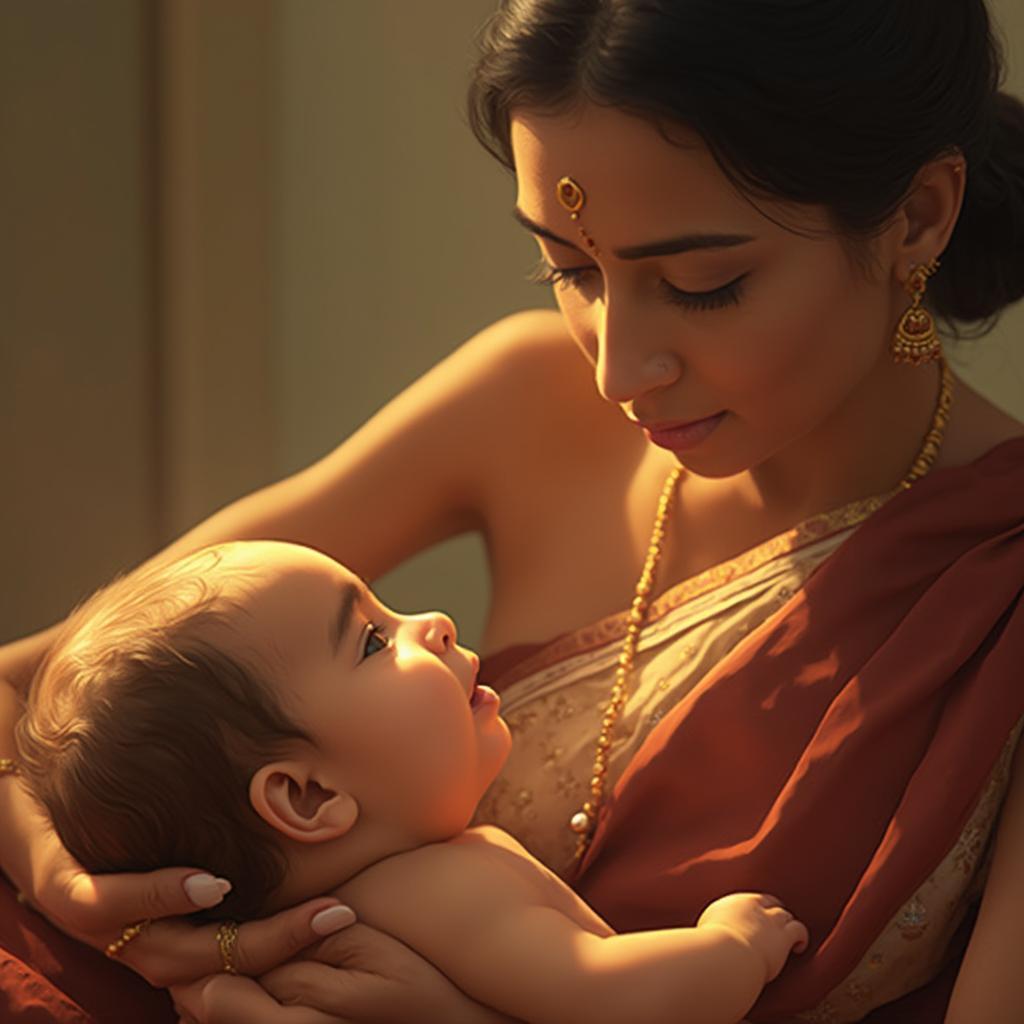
x=481 y=696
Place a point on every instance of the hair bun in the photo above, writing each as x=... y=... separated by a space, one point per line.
x=983 y=267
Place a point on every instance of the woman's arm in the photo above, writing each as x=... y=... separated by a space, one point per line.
x=990 y=985
x=364 y=975
x=427 y=467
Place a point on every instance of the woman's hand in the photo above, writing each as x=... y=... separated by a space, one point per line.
x=358 y=976
x=96 y=908
x=364 y=976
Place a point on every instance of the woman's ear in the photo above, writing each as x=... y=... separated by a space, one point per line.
x=292 y=802
x=929 y=214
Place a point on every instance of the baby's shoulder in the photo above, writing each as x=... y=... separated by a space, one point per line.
x=480 y=870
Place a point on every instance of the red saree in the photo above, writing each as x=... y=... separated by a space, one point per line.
x=849 y=738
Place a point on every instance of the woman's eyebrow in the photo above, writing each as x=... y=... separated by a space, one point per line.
x=341 y=622
x=668 y=247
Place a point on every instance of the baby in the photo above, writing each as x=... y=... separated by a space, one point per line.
x=254 y=709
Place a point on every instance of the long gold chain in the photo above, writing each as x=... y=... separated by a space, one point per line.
x=583 y=821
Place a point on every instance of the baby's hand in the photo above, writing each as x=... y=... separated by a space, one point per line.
x=762 y=923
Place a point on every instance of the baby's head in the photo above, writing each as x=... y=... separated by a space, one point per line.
x=251 y=706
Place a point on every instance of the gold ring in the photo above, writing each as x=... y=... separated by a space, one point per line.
x=227 y=936
x=128 y=933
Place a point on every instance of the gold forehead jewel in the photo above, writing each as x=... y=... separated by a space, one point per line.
x=573 y=198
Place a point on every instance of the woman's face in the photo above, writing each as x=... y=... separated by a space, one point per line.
x=785 y=330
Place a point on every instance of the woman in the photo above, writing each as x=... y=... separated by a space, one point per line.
x=752 y=213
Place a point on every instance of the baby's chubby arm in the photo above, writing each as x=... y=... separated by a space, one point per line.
x=499 y=925
x=539 y=966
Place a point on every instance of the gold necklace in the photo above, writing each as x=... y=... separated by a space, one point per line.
x=583 y=821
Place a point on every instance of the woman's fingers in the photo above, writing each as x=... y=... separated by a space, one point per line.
x=264 y=944
x=229 y=999
x=175 y=952
x=365 y=975
x=109 y=902
x=349 y=991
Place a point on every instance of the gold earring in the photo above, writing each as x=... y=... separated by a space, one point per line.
x=916 y=341
x=573 y=198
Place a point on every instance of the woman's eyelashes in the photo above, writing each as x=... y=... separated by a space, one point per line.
x=572 y=277
x=374 y=640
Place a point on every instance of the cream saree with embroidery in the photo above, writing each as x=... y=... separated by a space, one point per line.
x=554 y=699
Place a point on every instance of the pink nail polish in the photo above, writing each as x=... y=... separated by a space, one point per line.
x=332 y=919
x=206 y=891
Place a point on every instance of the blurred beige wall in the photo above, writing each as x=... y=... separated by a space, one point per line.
x=996 y=365
x=232 y=229
x=395 y=238
x=78 y=350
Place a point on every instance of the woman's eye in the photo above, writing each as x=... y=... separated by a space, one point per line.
x=728 y=295
x=571 y=277
x=376 y=640
x=565 y=277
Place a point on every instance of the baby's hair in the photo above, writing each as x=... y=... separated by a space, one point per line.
x=141 y=735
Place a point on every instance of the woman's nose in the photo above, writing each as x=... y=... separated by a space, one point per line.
x=627 y=365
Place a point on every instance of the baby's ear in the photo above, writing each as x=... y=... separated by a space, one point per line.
x=292 y=802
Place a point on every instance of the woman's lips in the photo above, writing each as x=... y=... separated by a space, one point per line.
x=682 y=436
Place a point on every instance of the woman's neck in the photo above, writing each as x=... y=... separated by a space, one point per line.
x=866 y=447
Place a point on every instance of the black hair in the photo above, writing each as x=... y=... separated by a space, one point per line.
x=837 y=103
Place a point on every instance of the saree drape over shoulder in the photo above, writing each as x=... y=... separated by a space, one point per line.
x=830 y=717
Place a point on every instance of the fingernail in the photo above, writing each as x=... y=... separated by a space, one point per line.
x=332 y=919
x=206 y=891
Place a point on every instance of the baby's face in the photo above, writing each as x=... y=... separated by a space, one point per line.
x=388 y=699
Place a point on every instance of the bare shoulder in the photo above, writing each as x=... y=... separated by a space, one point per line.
x=990 y=986
x=516 y=402
x=445 y=886
x=530 y=367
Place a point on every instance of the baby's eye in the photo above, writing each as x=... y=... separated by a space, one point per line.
x=376 y=640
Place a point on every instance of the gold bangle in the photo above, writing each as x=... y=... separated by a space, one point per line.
x=227 y=936
x=128 y=933
x=8 y=766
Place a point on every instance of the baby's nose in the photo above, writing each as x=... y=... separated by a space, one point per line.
x=441 y=633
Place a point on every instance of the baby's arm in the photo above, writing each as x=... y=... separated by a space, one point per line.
x=511 y=936
x=538 y=965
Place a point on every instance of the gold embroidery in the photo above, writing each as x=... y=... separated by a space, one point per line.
x=613 y=628
x=913 y=919
x=858 y=990
x=911 y=949
x=823 y=1013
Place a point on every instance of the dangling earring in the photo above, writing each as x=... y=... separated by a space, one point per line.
x=916 y=340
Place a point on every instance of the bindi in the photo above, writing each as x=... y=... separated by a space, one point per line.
x=573 y=198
